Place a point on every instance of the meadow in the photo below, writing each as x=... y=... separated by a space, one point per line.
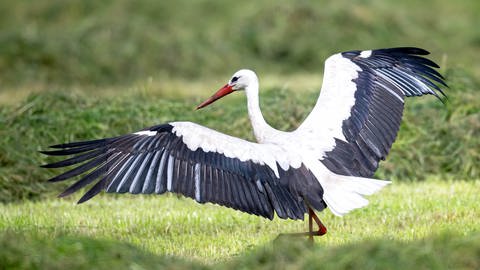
x=87 y=69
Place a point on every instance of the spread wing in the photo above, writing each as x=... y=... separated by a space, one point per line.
x=358 y=113
x=194 y=161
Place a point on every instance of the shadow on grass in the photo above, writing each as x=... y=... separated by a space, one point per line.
x=33 y=251
x=445 y=251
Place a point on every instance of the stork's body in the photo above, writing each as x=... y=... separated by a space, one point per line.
x=326 y=162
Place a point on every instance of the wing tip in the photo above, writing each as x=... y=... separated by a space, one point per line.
x=394 y=50
x=55 y=179
x=83 y=199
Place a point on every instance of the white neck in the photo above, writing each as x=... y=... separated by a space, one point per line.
x=261 y=129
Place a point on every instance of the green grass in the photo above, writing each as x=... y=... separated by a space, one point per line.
x=428 y=217
x=113 y=42
x=32 y=251
x=444 y=251
x=77 y=70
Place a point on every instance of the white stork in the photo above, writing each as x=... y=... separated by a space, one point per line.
x=327 y=162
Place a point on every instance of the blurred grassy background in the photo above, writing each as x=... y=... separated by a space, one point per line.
x=74 y=70
x=113 y=42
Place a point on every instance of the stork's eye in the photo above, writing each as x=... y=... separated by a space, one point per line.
x=234 y=79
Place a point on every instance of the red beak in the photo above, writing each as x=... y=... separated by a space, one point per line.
x=225 y=90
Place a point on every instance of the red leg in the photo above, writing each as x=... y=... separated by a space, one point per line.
x=321 y=228
x=310 y=225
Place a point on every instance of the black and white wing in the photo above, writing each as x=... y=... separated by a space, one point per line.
x=358 y=113
x=194 y=161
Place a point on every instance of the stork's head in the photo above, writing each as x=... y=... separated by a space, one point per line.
x=241 y=80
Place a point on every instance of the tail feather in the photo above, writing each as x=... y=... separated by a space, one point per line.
x=345 y=193
x=341 y=193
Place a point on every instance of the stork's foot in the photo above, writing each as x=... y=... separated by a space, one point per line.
x=322 y=230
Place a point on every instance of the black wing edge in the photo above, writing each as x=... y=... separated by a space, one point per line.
x=288 y=198
x=95 y=153
x=410 y=59
x=370 y=136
